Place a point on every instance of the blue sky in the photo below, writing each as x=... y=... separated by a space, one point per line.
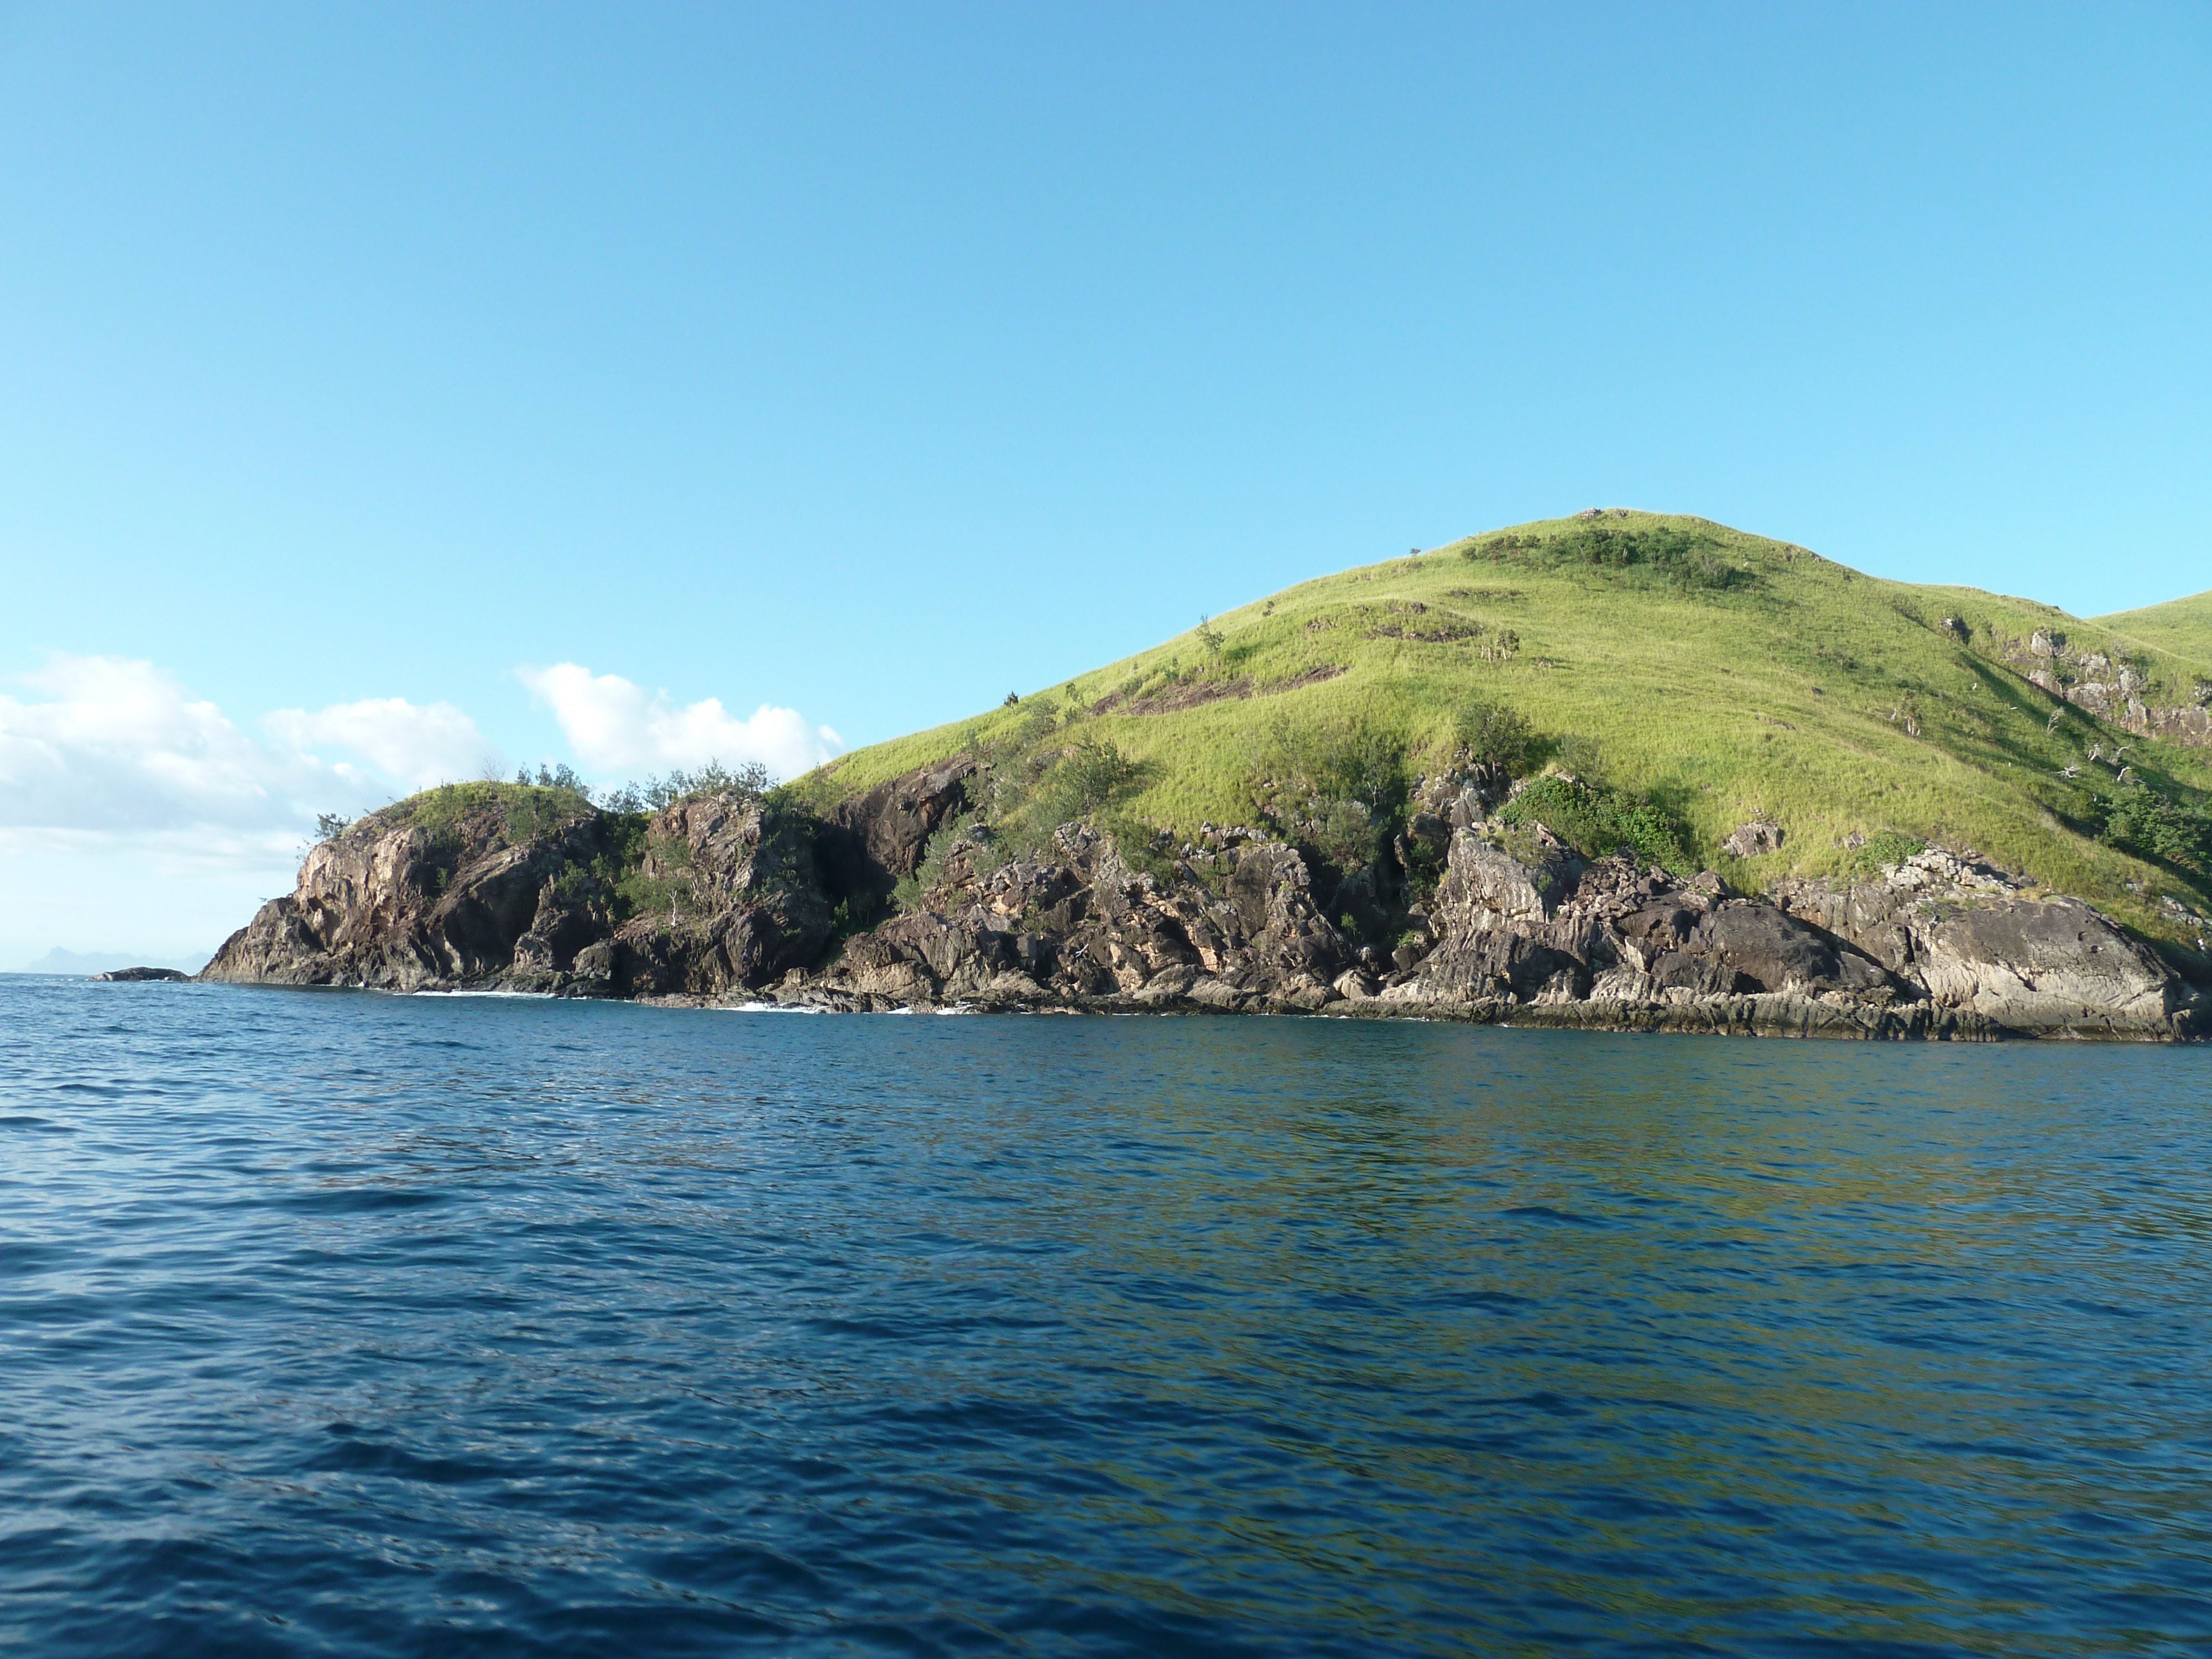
x=360 y=367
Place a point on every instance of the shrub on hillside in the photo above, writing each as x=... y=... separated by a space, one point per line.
x=1685 y=558
x=1088 y=777
x=1490 y=734
x=1596 y=822
x=1880 y=850
x=1343 y=832
x=985 y=849
x=2137 y=819
x=1357 y=758
x=640 y=894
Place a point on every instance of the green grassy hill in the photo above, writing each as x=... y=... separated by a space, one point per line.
x=2180 y=627
x=1714 y=676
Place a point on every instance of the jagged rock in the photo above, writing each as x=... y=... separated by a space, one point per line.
x=389 y=904
x=2091 y=681
x=870 y=841
x=1355 y=985
x=1943 y=944
x=1750 y=839
x=1492 y=890
x=1966 y=937
x=142 y=975
x=1776 y=951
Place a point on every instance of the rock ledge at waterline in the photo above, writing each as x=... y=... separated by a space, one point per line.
x=1940 y=945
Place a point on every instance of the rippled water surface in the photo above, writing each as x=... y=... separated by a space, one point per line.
x=339 y=1323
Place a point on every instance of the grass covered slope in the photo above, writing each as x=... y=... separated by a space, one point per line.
x=1705 y=677
x=2181 y=629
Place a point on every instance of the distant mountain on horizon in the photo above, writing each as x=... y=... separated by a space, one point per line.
x=87 y=963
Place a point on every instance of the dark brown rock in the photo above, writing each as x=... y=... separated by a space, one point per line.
x=1939 y=946
x=867 y=844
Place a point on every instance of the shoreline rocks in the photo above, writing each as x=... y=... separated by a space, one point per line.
x=754 y=905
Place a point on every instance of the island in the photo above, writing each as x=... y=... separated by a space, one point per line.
x=1621 y=771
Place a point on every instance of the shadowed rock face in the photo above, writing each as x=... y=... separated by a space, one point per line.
x=870 y=841
x=1556 y=939
x=394 y=906
x=1938 y=946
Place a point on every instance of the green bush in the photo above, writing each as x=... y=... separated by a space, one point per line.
x=1084 y=780
x=747 y=781
x=2137 y=819
x=1345 y=833
x=1880 y=850
x=1359 y=759
x=525 y=810
x=856 y=913
x=1596 y=820
x=1137 y=842
x=1490 y=734
x=985 y=854
x=599 y=879
x=637 y=893
x=1682 y=557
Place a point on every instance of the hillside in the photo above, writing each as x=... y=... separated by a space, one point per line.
x=1702 y=676
x=2180 y=627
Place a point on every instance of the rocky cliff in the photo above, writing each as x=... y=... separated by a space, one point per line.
x=2114 y=692
x=733 y=897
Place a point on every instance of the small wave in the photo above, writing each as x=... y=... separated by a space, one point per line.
x=1545 y=1212
x=521 y=996
x=766 y=1008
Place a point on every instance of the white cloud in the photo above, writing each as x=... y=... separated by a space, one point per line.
x=618 y=727
x=120 y=746
x=418 y=746
x=137 y=816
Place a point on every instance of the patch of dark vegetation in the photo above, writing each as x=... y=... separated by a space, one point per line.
x=1437 y=630
x=524 y=811
x=1878 y=850
x=1159 y=694
x=2136 y=818
x=1596 y=822
x=1693 y=560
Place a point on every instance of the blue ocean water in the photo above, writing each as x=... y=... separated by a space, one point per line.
x=334 y=1323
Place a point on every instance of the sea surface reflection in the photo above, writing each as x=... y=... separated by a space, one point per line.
x=337 y=1324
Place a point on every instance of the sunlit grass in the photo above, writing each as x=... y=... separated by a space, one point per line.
x=1794 y=696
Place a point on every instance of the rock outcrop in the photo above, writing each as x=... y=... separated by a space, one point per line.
x=2114 y=692
x=1968 y=938
x=397 y=906
x=1938 y=946
x=726 y=897
x=731 y=897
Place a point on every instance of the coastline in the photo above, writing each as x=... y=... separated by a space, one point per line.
x=1762 y=1015
x=765 y=905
